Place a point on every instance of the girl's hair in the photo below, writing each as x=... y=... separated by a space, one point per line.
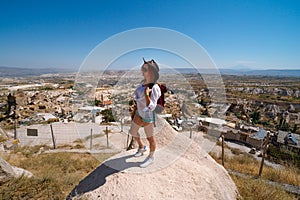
x=154 y=68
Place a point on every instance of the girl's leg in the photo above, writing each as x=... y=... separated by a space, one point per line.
x=149 y=130
x=139 y=141
x=135 y=125
x=152 y=144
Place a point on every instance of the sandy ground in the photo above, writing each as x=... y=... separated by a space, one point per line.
x=182 y=170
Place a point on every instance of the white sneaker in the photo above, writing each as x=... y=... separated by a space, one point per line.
x=140 y=151
x=147 y=162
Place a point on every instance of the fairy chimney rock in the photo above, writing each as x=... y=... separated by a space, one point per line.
x=182 y=170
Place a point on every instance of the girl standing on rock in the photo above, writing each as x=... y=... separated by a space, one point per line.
x=146 y=95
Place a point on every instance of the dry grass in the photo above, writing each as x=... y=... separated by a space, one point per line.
x=257 y=188
x=290 y=175
x=3 y=139
x=94 y=136
x=246 y=164
x=55 y=174
x=28 y=151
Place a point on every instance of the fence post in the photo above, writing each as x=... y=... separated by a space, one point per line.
x=106 y=132
x=91 y=141
x=190 y=124
x=223 y=150
x=52 y=134
x=127 y=145
x=15 y=123
x=265 y=148
x=122 y=124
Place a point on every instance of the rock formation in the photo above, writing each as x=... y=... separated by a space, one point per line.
x=182 y=170
x=8 y=172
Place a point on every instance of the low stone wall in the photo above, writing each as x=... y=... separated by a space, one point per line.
x=256 y=143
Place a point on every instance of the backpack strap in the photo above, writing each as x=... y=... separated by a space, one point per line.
x=156 y=105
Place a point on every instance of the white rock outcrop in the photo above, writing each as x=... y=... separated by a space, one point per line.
x=182 y=170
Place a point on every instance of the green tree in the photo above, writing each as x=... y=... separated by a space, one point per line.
x=255 y=116
x=283 y=125
x=108 y=115
x=98 y=102
x=295 y=128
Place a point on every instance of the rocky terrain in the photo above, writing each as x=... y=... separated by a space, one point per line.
x=275 y=100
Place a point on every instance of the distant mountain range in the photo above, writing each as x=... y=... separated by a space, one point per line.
x=267 y=72
x=244 y=72
x=19 y=72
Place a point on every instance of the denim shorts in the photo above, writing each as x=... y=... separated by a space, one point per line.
x=148 y=120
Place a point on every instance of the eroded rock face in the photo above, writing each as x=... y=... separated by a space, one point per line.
x=8 y=172
x=182 y=170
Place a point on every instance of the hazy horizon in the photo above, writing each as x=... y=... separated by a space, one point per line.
x=238 y=68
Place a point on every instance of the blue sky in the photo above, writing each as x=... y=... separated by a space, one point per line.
x=256 y=33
